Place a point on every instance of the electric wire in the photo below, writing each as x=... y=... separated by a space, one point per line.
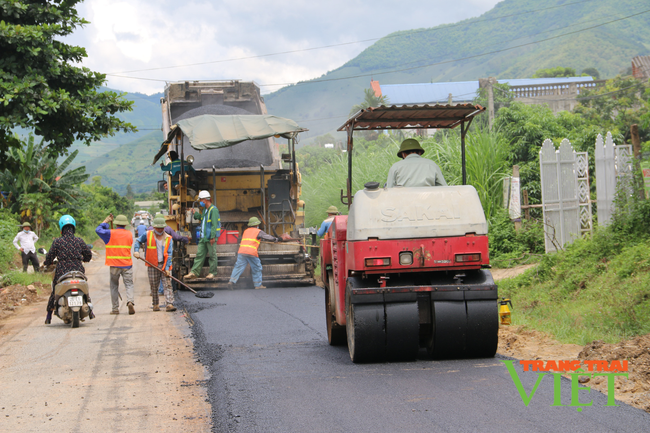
x=396 y=34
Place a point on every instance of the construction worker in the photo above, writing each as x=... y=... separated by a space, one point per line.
x=413 y=170
x=27 y=239
x=210 y=232
x=118 y=256
x=247 y=253
x=332 y=211
x=159 y=249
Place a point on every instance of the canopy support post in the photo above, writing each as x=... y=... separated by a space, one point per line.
x=266 y=226
x=463 y=131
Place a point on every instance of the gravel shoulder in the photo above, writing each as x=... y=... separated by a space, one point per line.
x=113 y=373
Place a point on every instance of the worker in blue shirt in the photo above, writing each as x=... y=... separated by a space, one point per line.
x=332 y=211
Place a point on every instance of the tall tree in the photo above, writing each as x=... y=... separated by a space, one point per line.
x=369 y=100
x=558 y=71
x=40 y=88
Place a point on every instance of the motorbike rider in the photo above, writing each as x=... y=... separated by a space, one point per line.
x=70 y=252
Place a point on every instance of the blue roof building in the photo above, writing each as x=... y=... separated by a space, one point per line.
x=461 y=91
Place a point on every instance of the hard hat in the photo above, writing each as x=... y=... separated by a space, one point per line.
x=409 y=144
x=27 y=224
x=159 y=223
x=66 y=220
x=332 y=209
x=120 y=220
x=203 y=194
x=254 y=221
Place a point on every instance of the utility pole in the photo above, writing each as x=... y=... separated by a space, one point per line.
x=487 y=83
x=636 y=147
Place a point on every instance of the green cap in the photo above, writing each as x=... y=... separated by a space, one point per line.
x=254 y=221
x=332 y=209
x=26 y=224
x=121 y=220
x=159 y=223
x=409 y=144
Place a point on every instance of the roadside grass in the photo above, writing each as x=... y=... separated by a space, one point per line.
x=17 y=277
x=598 y=289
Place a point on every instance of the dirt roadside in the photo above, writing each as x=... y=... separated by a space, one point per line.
x=114 y=373
x=528 y=344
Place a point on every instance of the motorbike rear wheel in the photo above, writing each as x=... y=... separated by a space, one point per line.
x=75 y=319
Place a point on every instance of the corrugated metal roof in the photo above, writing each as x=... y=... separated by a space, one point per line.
x=412 y=117
x=641 y=67
x=461 y=91
x=424 y=93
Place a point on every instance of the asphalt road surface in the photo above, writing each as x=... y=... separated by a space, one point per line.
x=273 y=371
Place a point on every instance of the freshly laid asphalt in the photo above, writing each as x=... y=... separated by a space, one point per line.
x=272 y=370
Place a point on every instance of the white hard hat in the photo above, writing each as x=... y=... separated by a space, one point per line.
x=204 y=194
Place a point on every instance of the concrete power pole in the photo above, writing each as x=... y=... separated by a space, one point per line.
x=487 y=83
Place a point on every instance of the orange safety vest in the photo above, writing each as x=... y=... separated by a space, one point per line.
x=118 y=248
x=249 y=242
x=152 y=252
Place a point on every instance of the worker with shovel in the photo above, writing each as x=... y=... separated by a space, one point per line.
x=159 y=249
x=247 y=254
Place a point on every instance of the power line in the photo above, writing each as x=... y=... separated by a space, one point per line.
x=456 y=60
x=441 y=27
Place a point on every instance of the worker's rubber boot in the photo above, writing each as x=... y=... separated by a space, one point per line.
x=260 y=287
x=189 y=276
x=156 y=307
x=131 y=309
x=209 y=276
x=170 y=308
x=231 y=285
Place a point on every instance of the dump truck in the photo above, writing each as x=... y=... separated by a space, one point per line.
x=224 y=140
x=408 y=267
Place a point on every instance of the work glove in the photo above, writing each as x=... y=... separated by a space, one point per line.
x=285 y=237
x=108 y=219
x=136 y=255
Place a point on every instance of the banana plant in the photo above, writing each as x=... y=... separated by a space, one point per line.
x=37 y=185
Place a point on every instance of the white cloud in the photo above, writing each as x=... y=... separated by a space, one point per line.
x=149 y=34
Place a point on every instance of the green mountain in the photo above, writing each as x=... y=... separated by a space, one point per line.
x=415 y=56
x=129 y=164
x=431 y=55
x=145 y=115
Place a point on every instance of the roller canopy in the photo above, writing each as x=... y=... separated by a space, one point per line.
x=213 y=132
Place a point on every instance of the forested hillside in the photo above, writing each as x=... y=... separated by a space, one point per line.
x=429 y=55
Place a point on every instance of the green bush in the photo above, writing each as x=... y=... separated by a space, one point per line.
x=9 y=225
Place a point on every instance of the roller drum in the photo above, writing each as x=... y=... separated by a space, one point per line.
x=450 y=329
x=366 y=332
x=483 y=328
x=402 y=331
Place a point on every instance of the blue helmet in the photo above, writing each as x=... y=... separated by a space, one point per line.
x=65 y=220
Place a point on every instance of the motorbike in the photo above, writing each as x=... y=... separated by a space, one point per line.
x=71 y=298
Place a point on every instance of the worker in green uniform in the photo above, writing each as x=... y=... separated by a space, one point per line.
x=210 y=232
x=413 y=170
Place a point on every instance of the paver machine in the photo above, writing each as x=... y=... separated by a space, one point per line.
x=225 y=143
x=408 y=268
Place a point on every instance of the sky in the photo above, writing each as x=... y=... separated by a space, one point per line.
x=165 y=40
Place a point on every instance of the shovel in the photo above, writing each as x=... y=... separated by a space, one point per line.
x=197 y=294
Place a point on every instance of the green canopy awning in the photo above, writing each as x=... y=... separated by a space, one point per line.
x=213 y=132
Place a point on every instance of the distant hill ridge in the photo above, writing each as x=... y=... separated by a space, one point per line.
x=323 y=106
x=418 y=54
